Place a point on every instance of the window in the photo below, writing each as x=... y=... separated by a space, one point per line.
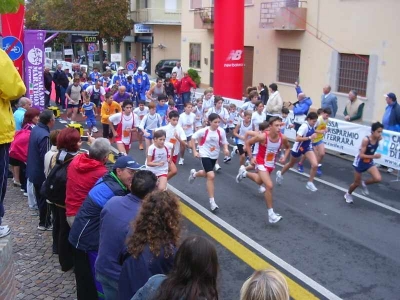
x=353 y=73
x=288 y=65
x=195 y=4
x=195 y=56
x=248 y=2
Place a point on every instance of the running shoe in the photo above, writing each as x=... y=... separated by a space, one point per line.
x=311 y=186
x=4 y=231
x=234 y=151
x=191 y=176
x=274 y=218
x=94 y=129
x=213 y=206
x=348 y=198
x=261 y=189
x=41 y=228
x=240 y=175
x=190 y=150
x=364 y=188
x=279 y=177
x=217 y=167
x=247 y=163
x=181 y=161
x=227 y=159
x=319 y=171
x=300 y=168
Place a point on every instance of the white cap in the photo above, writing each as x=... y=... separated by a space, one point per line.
x=140 y=69
x=121 y=68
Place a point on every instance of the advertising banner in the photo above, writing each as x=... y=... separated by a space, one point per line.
x=389 y=148
x=34 y=66
x=228 y=48
x=13 y=37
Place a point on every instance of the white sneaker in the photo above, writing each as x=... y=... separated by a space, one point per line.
x=240 y=174
x=348 y=198
x=279 y=177
x=227 y=159
x=4 y=231
x=274 y=218
x=311 y=186
x=191 y=176
x=261 y=189
x=247 y=163
x=26 y=194
x=364 y=189
x=390 y=170
x=180 y=161
x=94 y=129
x=213 y=206
x=217 y=167
x=233 y=153
x=190 y=150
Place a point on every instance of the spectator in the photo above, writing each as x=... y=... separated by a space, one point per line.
x=329 y=100
x=265 y=285
x=63 y=80
x=178 y=70
x=274 y=103
x=83 y=172
x=193 y=275
x=11 y=88
x=263 y=93
x=152 y=245
x=301 y=107
x=120 y=76
x=391 y=117
x=156 y=91
x=184 y=87
x=114 y=227
x=48 y=82
x=39 y=144
x=56 y=75
x=142 y=83
x=143 y=64
x=23 y=104
x=122 y=95
x=354 y=108
x=169 y=88
x=53 y=150
x=84 y=235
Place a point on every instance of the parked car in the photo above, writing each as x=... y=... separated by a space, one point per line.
x=165 y=66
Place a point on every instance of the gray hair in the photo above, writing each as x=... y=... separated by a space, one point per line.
x=354 y=92
x=99 y=149
x=23 y=101
x=46 y=116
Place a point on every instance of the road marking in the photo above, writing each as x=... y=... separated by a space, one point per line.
x=296 y=291
x=395 y=210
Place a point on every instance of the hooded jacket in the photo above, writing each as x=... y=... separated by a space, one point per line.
x=83 y=173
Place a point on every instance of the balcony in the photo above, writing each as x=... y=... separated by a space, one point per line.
x=283 y=15
x=204 y=18
x=157 y=16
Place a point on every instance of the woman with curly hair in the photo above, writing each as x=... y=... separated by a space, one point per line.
x=193 y=277
x=152 y=246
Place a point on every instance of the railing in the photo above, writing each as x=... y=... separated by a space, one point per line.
x=157 y=16
x=206 y=14
x=269 y=11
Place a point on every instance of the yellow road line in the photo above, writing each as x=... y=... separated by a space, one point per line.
x=243 y=253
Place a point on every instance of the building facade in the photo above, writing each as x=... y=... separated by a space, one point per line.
x=349 y=44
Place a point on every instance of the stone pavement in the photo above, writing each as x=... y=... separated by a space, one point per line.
x=37 y=270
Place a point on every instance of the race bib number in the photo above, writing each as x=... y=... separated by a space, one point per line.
x=270 y=157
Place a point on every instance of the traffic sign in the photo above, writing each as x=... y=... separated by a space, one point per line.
x=13 y=47
x=130 y=65
x=92 y=47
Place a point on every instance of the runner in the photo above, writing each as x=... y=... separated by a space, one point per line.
x=125 y=124
x=159 y=158
x=108 y=108
x=141 y=111
x=73 y=94
x=210 y=140
x=208 y=101
x=239 y=132
x=198 y=111
x=258 y=115
x=233 y=119
x=89 y=112
x=250 y=105
x=303 y=146
x=186 y=121
x=269 y=147
x=149 y=123
x=364 y=162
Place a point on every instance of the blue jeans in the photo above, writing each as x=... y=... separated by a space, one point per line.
x=186 y=97
x=110 y=286
x=4 y=159
x=62 y=97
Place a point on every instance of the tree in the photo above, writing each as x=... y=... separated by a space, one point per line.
x=35 y=15
x=10 y=6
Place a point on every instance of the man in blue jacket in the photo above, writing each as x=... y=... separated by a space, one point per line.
x=329 y=100
x=115 y=219
x=85 y=231
x=301 y=107
x=142 y=83
x=391 y=117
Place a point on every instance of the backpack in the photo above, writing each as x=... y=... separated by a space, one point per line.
x=55 y=186
x=203 y=140
x=19 y=147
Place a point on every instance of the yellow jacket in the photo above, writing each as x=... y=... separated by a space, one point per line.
x=11 y=88
x=108 y=110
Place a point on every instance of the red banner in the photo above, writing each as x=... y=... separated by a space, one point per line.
x=228 y=48
x=13 y=37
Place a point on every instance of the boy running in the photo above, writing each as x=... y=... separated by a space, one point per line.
x=186 y=121
x=89 y=112
x=141 y=111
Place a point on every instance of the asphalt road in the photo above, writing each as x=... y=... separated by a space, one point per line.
x=351 y=250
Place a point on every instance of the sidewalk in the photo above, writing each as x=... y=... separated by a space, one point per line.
x=37 y=270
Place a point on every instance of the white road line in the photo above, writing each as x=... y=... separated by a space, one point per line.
x=395 y=210
x=244 y=238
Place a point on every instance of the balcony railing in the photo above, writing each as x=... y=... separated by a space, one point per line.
x=157 y=16
x=283 y=15
x=204 y=18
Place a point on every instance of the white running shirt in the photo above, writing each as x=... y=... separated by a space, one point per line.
x=141 y=113
x=187 y=121
x=160 y=155
x=211 y=146
x=170 y=136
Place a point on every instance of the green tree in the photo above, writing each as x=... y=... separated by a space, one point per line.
x=35 y=15
x=10 y=6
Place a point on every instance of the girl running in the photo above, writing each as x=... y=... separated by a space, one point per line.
x=149 y=123
x=141 y=111
x=258 y=115
x=198 y=111
x=186 y=121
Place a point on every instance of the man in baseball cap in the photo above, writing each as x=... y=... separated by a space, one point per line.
x=391 y=116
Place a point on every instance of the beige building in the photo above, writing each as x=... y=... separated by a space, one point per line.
x=349 y=44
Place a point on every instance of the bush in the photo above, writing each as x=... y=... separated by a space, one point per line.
x=195 y=76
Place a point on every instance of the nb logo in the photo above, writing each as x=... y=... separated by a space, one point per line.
x=235 y=55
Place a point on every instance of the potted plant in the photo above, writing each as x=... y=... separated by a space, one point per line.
x=195 y=76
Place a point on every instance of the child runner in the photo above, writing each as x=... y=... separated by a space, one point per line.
x=108 y=108
x=286 y=121
x=250 y=105
x=270 y=143
x=126 y=124
x=162 y=108
x=208 y=100
x=186 y=121
x=233 y=119
x=198 y=111
x=239 y=132
x=171 y=107
x=258 y=115
x=303 y=146
x=210 y=141
x=149 y=123
x=89 y=112
x=73 y=95
x=141 y=111
x=364 y=162
x=159 y=158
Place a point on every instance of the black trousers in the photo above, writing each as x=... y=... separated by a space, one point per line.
x=44 y=211
x=58 y=95
x=65 y=252
x=85 y=286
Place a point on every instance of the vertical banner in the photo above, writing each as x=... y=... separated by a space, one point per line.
x=229 y=48
x=34 y=66
x=13 y=37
